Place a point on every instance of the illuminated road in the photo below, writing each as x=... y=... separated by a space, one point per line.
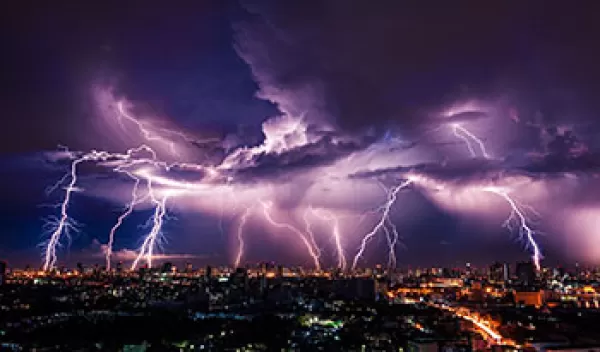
x=484 y=327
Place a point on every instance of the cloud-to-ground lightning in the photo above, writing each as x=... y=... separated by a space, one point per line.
x=464 y=134
x=64 y=222
x=335 y=233
x=385 y=212
x=137 y=165
x=157 y=182
x=147 y=249
x=128 y=210
x=240 y=236
x=121 y=161
x=309 y=231
x=518 y=214
x=149 y=169
x=267 y=206
x=391 y=233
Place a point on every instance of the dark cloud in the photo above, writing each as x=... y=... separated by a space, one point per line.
x=325 y=151
x=363 y=64
x=589 y=162
x=176 y=59
x=465 y=171
x=455 y=170
x=563 y=152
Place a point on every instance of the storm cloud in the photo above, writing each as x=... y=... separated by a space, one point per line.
x=359 y=64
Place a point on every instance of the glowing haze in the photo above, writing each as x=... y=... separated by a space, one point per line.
x=253 y=184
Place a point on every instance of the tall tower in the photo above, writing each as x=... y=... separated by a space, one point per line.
x=2 y=272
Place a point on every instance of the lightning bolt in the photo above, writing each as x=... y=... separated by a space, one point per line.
x=222 y=198
x=464 y=134
x=147 y=249
x=143 y=168
x=130 y=163
x=139 y=167
x=120 y=219
x=310 y=232
x=335 y=232
x=312 y=252
x=146 y=132
x=392 y=237
x=149 y=132
x=54 y=187
x=64 y=222
x=380 y=225
x=240 y=236
x=518 y=214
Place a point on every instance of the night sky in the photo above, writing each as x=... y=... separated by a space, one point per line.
x=302 y=105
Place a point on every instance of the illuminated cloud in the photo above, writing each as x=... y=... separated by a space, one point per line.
x=128 y=255
x=362 y=110
x=582 y=228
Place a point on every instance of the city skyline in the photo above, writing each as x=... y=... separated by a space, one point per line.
x=465 y=309
x=233 y=133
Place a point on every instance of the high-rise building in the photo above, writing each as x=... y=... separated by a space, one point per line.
x=188 y=268
x=378 y=270
x=526 y=274
x=437 y=271
x=208 y=272
x=558 y=272
x=240 y=278
x=143 y=271
x=3 y=269
x=262 y=268
x=499 y=272
x=264 y=285
x=80 y=268
x=167 y=267
x=337 y=273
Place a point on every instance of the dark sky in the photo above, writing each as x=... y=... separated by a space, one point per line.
x=227 y=66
